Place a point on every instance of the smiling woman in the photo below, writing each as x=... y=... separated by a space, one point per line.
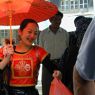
x=25 y=61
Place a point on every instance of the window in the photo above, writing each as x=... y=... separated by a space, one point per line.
x=85 y=1
x=72 y=5
x=2 y=33
x=83 y=4
x=65 y=5
x=6 y=33
x=81 y=1
x=76 y=4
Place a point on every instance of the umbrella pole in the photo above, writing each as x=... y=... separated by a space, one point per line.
x=10 y=18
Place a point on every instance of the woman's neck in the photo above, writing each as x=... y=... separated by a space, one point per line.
x=22 y=48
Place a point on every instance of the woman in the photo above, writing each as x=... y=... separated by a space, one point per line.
x=25 y=61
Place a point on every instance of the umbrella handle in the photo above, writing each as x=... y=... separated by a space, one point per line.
x=10 y=20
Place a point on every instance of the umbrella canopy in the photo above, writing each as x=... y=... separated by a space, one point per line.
x=9 y=7
x=40 y=10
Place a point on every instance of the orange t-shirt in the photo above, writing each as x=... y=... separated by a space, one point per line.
x=25 y=66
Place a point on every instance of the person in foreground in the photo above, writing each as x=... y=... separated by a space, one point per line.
x=84 y=69
x=25 y=61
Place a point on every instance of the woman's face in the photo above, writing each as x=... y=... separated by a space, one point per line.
x=29 y=34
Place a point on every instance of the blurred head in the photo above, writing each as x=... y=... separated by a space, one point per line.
x=7 y=41
x=79 y=21
x=56 y=19
x=80 y=31
x=28 y=31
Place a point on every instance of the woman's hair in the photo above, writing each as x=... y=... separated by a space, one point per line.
x=25 y=22
x=79 y=18
x=7 y=41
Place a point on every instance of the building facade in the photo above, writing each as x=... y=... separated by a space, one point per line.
x=56 y=2
x=76 y=6
x=5 y=33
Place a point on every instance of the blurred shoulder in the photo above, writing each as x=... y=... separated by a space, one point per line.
x=45 y=30
x=38 y=47
x=62 y=29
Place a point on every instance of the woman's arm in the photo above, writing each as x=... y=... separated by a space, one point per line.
x=4 y=62
x=7 y=55
x=82 y=86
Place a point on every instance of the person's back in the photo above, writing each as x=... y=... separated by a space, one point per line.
x=81 y=24
x=84 y=69
x=68 y=60
x=55 y=40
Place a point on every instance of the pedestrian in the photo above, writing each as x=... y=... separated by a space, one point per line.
x=25 y=61
x=84 y=71
x=55 y=40
x=68 y=59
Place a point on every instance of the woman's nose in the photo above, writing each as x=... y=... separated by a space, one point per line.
x=32 y=36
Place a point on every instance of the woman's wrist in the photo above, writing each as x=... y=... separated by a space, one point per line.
x=4 y=62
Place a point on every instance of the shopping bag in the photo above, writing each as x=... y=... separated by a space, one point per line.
x=58 y=88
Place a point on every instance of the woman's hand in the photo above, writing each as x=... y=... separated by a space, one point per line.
x=8 y=50
x=57 y=74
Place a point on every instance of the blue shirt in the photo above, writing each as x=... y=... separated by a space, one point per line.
x=85 y=63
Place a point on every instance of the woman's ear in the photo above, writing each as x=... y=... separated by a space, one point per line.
x=19 y=34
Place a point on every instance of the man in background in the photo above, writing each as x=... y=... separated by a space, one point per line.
x=55 y=40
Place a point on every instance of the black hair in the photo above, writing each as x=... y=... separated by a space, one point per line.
x=7 y=41
x=59 y=13
x=78 y=18
x=25 y=22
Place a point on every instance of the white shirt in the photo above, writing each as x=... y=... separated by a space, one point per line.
x=55 y=44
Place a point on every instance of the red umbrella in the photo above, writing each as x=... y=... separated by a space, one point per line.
x=40 y=10
x=9 y=7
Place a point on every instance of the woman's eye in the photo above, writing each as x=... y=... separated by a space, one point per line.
x=35 y=32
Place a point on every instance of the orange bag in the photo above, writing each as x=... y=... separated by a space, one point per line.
x=58 y=88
